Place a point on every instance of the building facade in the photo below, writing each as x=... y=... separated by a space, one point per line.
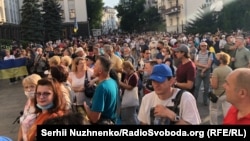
x=10 y=18
x=109 y=20
x=71 y=10
x=177 y=13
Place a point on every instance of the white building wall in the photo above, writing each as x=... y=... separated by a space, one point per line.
x=11 y=11
x=81 y=10
x=192 y=7
x=189 y=9
x=109 y=20
x=2 y=12
x=79 y=6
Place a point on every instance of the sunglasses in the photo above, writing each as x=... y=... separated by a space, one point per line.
x=44 y=94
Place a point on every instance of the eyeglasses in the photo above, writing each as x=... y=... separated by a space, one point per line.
x=44 y=94
x=203 y=45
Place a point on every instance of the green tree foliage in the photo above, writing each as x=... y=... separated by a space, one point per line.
x=135 y=18
x=235 y=15
x=31 y=23
x=152 y=20
x=205 y=21
x=94 y=10
x=52 y=20
x=131 y=15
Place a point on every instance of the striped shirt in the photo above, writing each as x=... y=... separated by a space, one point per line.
x=202 y=58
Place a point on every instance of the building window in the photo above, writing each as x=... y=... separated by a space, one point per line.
x=72 y=13
x=171 y=22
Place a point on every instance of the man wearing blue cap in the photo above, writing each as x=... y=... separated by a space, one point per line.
x=154 y=106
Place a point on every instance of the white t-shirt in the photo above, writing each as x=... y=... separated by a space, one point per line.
x=79 y=82
x=187 y=107
x=9 y=57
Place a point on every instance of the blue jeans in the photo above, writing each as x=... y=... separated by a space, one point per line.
x=129 y=116
x=198 y=80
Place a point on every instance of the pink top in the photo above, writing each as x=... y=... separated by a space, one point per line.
x=27 y=119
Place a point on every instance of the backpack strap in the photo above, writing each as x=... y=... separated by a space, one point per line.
x=177 y=101
x=86 y=76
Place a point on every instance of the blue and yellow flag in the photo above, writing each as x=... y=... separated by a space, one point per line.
x=75 y=26
x=13 y=68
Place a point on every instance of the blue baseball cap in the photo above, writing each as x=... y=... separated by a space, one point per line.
x=160 y=73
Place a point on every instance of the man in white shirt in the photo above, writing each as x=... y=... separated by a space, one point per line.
x=222 y=42
x=154 y=108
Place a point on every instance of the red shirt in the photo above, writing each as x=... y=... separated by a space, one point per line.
x=231 y=117
x=186 y=72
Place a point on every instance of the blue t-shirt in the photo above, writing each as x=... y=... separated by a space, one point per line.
x=3 y=138
x=105 y=99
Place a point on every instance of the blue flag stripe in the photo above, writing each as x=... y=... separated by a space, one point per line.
x=13 y=63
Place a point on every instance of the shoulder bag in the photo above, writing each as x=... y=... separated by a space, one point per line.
x=213 y=97
x=130 y=97
x=88 y=90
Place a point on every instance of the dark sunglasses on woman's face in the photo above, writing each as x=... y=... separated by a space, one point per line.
x=44 y=94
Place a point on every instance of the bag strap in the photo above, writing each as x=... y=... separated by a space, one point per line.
x=177 y=100
x=131 y=76
x=86 y=75
x=222 y=93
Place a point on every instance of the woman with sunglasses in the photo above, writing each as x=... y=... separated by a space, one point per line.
x=49 y=103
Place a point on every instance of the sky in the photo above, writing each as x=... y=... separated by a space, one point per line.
x=111 y=3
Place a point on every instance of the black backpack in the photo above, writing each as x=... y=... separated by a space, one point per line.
x=177 y=101
x=174 y=108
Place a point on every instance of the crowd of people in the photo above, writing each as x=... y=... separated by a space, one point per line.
x=137 y=78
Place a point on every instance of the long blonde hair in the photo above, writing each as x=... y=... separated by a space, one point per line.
x=76 y=62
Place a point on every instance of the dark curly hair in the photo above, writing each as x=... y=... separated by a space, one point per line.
x=60 y=73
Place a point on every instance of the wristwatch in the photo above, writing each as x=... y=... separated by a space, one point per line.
x=177 y=118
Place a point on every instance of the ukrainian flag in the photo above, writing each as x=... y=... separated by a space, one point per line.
x=13 y=68
x=75 y=26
